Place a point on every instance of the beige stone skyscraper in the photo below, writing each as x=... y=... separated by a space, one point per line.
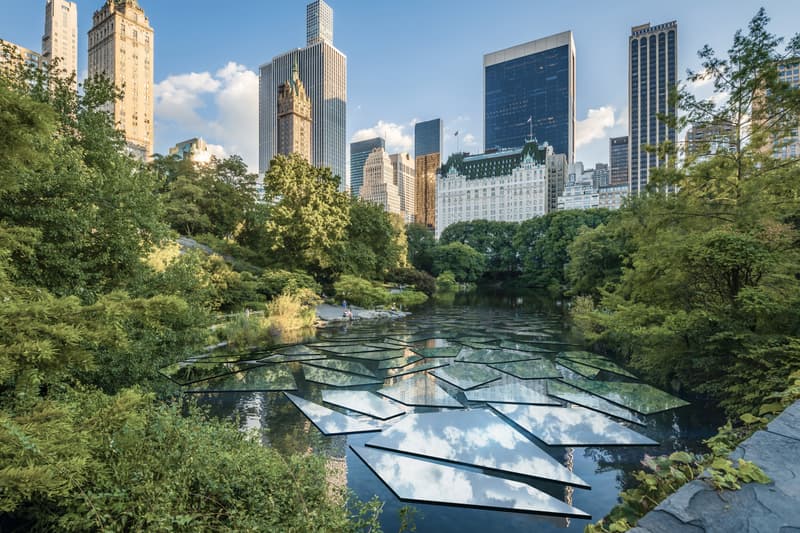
x=404 y=178
x=379 y=186
x=121 y=48
x=294 y=117
x=60 y=39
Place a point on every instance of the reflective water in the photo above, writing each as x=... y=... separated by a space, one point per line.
x=520 y=322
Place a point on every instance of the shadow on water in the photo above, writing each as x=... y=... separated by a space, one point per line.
x=487 y=315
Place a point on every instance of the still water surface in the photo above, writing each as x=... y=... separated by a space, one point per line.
x=489 y=318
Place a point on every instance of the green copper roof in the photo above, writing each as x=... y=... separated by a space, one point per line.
x=494 y=164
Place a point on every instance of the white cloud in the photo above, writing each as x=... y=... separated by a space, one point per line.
x=396 y=136
x=594 y=126
x=469 y=140
x=221 y=107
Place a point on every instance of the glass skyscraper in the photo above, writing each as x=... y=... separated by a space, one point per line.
x=359 y=151
x=428 y=137
x=530 y=88
x=653 y=62
x=618 y=160
x=323 y=71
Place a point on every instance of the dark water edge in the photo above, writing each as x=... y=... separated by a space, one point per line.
x=607 y=469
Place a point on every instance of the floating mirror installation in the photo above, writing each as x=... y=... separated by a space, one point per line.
x=364 y=402
x=466 y=375
x=415 y=480
x=487 y=356
x=398 y=362
x=351 y=367
x=571 y=426
x=417 y=367
x=420 y=391
x=475 y=438
x=329 y=421
x=640 y=397
x=597 y=361
x=523 y=347
x=446 y=351
x=568 y=393
x=336 y=378
x=510 y=393
x=261 y=379
x=579 y=368
x=533 y=369
x=186 y=372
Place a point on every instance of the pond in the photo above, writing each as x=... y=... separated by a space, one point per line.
x=483 y=413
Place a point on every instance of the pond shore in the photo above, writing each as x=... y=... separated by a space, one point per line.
x=335 y=313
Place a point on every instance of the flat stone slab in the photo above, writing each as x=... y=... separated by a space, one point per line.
x=756 y=508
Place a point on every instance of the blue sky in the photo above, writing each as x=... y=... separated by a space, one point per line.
x=407 y=61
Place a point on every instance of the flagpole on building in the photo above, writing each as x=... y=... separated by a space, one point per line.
x=458 y=143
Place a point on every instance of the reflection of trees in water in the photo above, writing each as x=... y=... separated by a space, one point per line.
x=569 y=464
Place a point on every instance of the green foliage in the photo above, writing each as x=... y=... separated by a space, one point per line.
x=542 y=242
x=446 y=282
x=421 y=242
x=275 y=282
x=307 y=216
x=409 y=298
x=466 y=264
x=495 y=240
x=123 y=462
x=359 y=291
x=422 y=281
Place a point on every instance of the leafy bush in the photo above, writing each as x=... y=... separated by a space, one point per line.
x=446 y=282
x=409 y=298
x=422 y=281
x=292 y=311
x=273 y=283
x=359 y=291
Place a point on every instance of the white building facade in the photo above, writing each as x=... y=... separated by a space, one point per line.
x=379 y=187
x=405 y=178
x=508 y=186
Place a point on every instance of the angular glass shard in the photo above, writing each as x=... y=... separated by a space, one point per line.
x=523 y=347
x=335 y=378
x=570 y=394
x=330 y=422
x=345 y=349
x=597 y=361
x=639 y=397
x=350 y=367
x=381 y=355
x=579 y=368
x=433 y=343
x=469 y=355
x=386 y=345
x=298 y=349
x=509 y=393
x=398 y=362
x=416 y=480
x=476 y=438
x=419 y=390
x=446 y=351
x=417 y=367
x=261 y=379
x=283 y=358
x=466 y=375
x=570 y=426
x=186 y=372
x=477 y=339
x=534 y=369
x=363 y=402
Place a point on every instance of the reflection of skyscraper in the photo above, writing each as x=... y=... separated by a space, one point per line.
x=121 y=48
x=323 y=70
x=359 y=151
x=60 y=38
x=427 y=160
x=528 y=87
x=653 y=65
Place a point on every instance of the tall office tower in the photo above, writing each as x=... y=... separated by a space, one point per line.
x=359 y=151
x=618 y=160
x=19 y=56
x=652 y=73
x=60 y=38
x=379 y=186
x=705 y=140
x=427 y=160
x=323 y=70
x=789 y=146
x=601 y=175
x=404 y=177
x=557 y=168
x=530 y=89
x=294 y=118
x=121 y=48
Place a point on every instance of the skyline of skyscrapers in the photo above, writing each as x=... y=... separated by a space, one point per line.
x=529 y=91
x=652 y=73
x=121 y=48
x=323 y=70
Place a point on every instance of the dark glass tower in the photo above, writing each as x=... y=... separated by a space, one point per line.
x=653 y=62
x=359 y=151
x=530 y=88
x=428 y=137
x=618 y=160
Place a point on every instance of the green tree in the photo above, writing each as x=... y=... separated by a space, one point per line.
x=421 y=242
x=494 y=239
x=307 y=218
x=466 y=264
